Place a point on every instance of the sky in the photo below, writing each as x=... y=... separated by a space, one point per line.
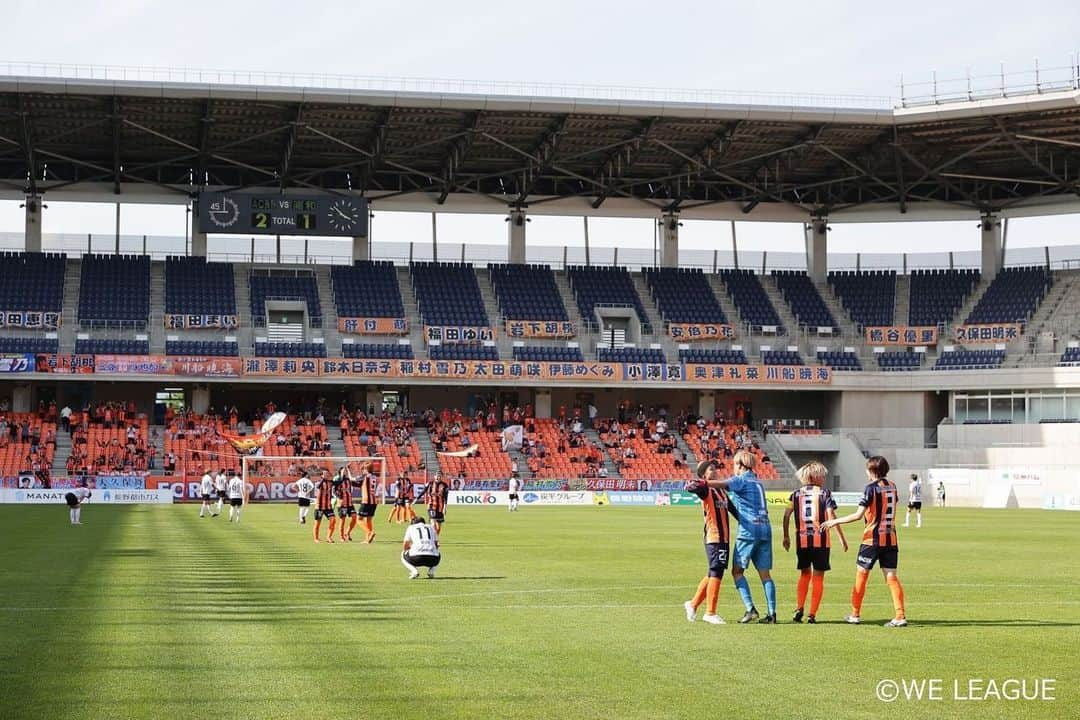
x=828 y=47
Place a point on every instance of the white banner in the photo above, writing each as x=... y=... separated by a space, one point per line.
x=847 y=498
x=480 y=497
x=112 y=497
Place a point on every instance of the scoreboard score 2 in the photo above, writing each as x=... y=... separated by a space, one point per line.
x=241 y=213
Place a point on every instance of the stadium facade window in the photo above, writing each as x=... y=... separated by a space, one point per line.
x=1017 y=406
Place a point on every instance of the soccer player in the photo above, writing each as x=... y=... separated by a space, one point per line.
x=409 y=495
x=75 y=498
x=206 y=486
x=811 y=504
x=515 y=488
x=304 y=490
x=715 y=505
x=753 y=544
x=346 y=510
x=420 y=548
x=236 y=496
x=366 y=512
x=941 y=494
x=221 y=487
x=878 y=507
x=437 y=493
x=324 y=506
x=397 y=514
x=914 y=501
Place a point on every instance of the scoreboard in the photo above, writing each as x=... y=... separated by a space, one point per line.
x=274 y=214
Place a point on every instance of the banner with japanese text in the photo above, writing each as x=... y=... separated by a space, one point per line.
x=995 y=333
x=539 y=329
x=450 y=334
x=29 y=319
x=901 y=335
x=373 y=326
x=17 y=363
x=281 y=367
x=209 y=366
x=690 y=332
x=132 y=365
x=175 y=321
x=65 y=364
x=763 y=374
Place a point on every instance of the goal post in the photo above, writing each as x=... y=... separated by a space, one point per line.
x=287 y=469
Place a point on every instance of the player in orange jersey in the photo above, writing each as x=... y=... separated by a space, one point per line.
x=714 y=503
x=811 y=505
x=324 y=505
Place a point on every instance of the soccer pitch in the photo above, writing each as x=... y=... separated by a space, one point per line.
x=152 y=612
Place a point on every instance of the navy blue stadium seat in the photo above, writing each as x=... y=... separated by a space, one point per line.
x=29 y=345
x=211 y=348
x=548 y=353
x=936 y=295
x=290 y=350
x=111 y=346
x=527 y=292
x=869 y=297
x=683 y=295
x=463 y=352
x=377 y=351
x=115 y=289
x=448 y=294
x=612 y=286
x=1070 y=357
x=285 y=287
x=713 y=357
x=969 y=359
x=368 y=289
x=196 y=287
x=750 y=298
x=631 y=355
x=1013 y=296
x=899 y=361
x=839 y=360
x=32 y=281
x=781 y=357
x=802 y=296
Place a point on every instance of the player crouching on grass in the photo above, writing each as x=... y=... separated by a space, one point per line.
x=878 y=506
x=715 y=506
x=811 y=505
x=74 y=499
x=420 y=548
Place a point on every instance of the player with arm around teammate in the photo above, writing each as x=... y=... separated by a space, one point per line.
x=420 y=548
x=324 y=506
x=715 y=506
x=811 y=505
x=877 y=507
x=74 y=499
x=366 y=511
x=346 y=509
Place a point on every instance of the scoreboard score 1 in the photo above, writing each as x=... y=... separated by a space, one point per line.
x=242 y=213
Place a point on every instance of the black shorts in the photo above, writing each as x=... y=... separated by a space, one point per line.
x=428 y=561
x=871 y=554
x=303 y=502
x=915 y=505
x=206 y=497
x=345 y=511
x=320 y=513
x=513 y=496
x=366 y=510
x=816 y=558
x=222 y=495
x=436 y=515
x=236 y=502
x=717 y=556
x=400 y=502
x=72 y=500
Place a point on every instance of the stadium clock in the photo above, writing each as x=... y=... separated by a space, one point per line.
x=343 y=215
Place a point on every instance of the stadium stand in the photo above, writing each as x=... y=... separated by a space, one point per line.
x=367 y=289
x=114 y=290
x=448 y=294
x=750 y=298
x=839 y=360
x=109 y=437
x=868 y=297
x=394 y=440
x=548 y=353
x=709 y=439
x=32 y=281
x=805 y=301
x=594 y=286
x=452 y=432
x=713 y=357
x=527 y=292
x=1070 y=358
x=631 y=355
x=781 y=357
x=549 y=454
x=377 y=351
x=644 y=453
x=196 y=287
x=1013 y=296
x=463 y=352
x=29 y=345
x=899 y=361
x=108 y=346
x=285 y=287
x=936 y=295
x=969 y=359
x=684 y=295
x=290 y=350
x=27 y=444
x=214 y=348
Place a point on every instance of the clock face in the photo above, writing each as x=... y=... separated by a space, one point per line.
x=343 y=215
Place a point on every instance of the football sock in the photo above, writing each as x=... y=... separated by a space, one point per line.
x=219 y=506
x=744 y=592
x=238 y=514
x=352 y=525
x=801 y=589
x=907 y=518
x=71 y=512
x=333 y=524
x=712 y=593
x=918 y=519
x=202 y=510
x=699 y=595
x=857 y=592
x=897 y=591
x=78 y=514
x=318 y=527
x=770 y=595
x=818 y=583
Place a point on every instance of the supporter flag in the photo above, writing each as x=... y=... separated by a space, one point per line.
x=467 y=452
x=251 y=444
x=513 y=437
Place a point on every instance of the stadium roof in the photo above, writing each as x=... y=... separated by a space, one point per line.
x=858 y=158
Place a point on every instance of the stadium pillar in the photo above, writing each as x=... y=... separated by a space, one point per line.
x=198 y=237
x=669 y=240
x=361 y=249
x=33 y=223
x=990 y=232
x=200 y=399
x=20 y=398
x=543 y=404
x=706 y=403
x=816 y=248
x=516 y=236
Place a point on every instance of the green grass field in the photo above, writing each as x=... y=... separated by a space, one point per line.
x=151 y=612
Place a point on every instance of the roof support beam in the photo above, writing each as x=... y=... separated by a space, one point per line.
x=26 y=135
x=206 y=125
x=618 y=162
x=287 y=149
x=117 y=121
x=459 y=148
x=546 y=149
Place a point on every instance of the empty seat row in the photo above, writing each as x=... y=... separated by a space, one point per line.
x=448 y=294
x=111 y=346
x=868 y=297
x=547 y=353
x=196 y=287
x=1013 y=296
x=604 y=286
x=29 y=345
x=1070 y=357
x=898 y=361
x=684 y=295
x=781 y=357
x=527 y=292
x=213 y=348
x=936 y=295
x=840 y=360
x=32 y=282
x=750 y=298
x=713 y=357
x=802 y=296
x=367 y=290
x=290 y=350
x=114 y=289
x=377 y=351
x=284 y=287
x=463 y=352
x=969 y=359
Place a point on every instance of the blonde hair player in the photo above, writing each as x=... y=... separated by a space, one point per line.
x=811 y=505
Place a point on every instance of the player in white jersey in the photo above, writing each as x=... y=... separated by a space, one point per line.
x=75 y=498
x=206 y=489
x=221 y=487
x=236 y=496
x=420 y=548
x=914 y=501
x=305 y=489
x=515 y=488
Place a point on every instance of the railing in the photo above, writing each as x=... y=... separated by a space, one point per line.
x=970 y=88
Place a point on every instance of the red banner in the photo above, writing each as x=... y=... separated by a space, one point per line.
x=197 y=366
x=691 y=332
x=539 y=329
x=64 y=364
x=373 y=326
x=132 y=365
x=901 y=335
x=761 y=374
x=996 y=333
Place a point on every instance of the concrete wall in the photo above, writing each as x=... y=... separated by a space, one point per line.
x=839 y=453
x=985 y=436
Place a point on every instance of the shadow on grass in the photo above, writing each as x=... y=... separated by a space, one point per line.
x=444 y=578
